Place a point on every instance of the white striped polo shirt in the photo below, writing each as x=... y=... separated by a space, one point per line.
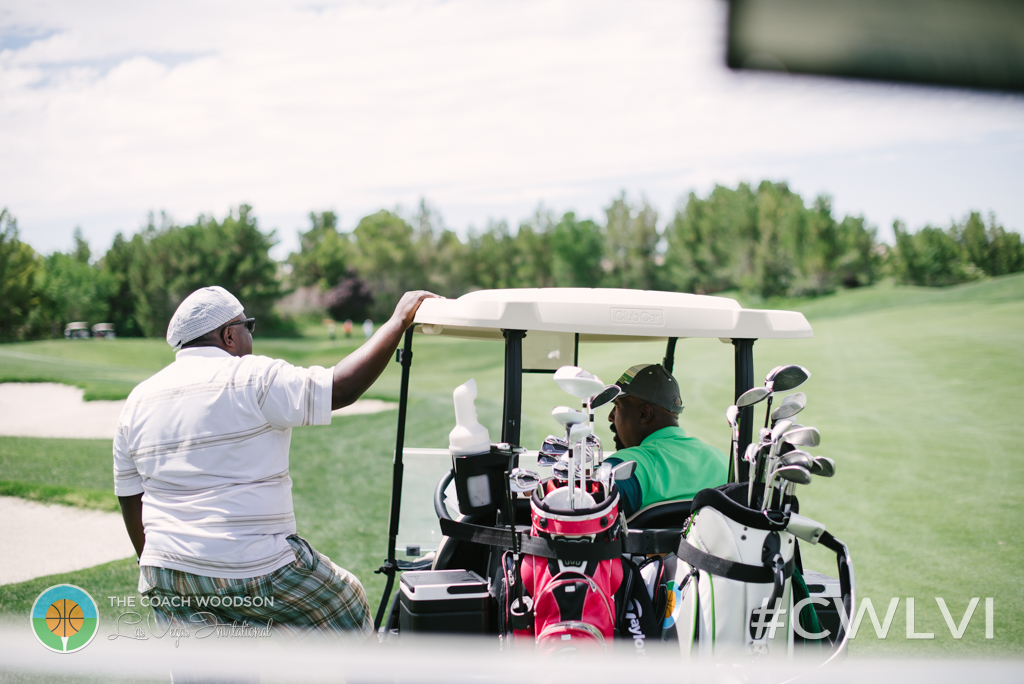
x=206 y=442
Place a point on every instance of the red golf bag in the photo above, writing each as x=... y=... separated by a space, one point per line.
x=572 y=602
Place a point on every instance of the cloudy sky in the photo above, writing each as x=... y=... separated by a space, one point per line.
x=109 y=110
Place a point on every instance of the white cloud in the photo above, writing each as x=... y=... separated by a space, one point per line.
x=486 y=108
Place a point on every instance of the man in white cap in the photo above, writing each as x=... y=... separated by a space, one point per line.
x=201 y=471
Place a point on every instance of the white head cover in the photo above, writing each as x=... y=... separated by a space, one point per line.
x=204 y=310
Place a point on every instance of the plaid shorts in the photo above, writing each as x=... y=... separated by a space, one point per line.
x=311 y=595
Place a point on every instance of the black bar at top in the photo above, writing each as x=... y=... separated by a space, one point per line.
x=404 y=357
x=670 y=354
x=744 y=360
x=513 y=407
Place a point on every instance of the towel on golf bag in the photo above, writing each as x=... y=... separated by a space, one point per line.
x=731 y=560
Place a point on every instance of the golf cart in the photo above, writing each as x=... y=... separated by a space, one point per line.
x=77 y=330
x=470 y=578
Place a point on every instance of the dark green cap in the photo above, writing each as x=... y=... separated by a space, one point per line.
x=652 y=383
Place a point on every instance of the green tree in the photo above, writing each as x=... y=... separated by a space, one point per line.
x=631 y=240
x=386 y=259
x=711 y=241
x=492 y=255
x=991 y=249
x=774 y=263
x=577 y=248
x=18 y=267
x=766 y=241
x=69 y=289
x=532 y=259
x=324 y=255
x=119 y=265
x=167 y=263
x=441 y=257
x=932 y=257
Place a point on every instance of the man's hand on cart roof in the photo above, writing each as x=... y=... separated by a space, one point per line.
x=409 y=304
x=356 y=372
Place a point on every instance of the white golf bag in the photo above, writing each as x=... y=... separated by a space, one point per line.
x=731 y=588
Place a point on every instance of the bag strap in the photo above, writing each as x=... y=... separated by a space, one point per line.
x=637 y=542
x=741 y=572
x=535 y=546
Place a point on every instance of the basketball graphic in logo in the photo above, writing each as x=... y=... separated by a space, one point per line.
x=673 y=593
x=64 y=618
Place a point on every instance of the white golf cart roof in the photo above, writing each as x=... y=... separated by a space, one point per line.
x=605 y=315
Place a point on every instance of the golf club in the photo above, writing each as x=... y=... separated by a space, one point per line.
x=793 y=473
x=732 y=418
x=787 y=409
x=551 y=450
x=823 y=466
x=783 y=379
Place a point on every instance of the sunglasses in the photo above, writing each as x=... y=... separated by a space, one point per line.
x=249 y=323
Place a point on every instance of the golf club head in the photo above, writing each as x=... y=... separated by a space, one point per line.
x=794 y=473
x=750 y=455
x=823 y=467
x=580 y=432
x=578 y=382
x=560 y=470
x=800 y=458
x=796 y=398
x=779 y=430
x=786 y=410
x=785 y=378
x=732 y=415
x=754 y=395
x=550 y=451
x=762 y=434
x=609 y=394
x=568 y=416
x=770 y=378
x=623 y=471
x=803 y=436
x=522 y=480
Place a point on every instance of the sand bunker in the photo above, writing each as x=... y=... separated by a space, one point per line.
x=31 y=531
x=48 y=409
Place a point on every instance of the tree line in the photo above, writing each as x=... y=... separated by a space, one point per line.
x=764 y=241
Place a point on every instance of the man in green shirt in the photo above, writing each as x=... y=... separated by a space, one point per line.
x=669 y=465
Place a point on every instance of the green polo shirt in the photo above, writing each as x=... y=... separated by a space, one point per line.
x=669 y=466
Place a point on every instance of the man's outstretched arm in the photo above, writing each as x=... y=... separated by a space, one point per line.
x=131 y=511
x=356 y=372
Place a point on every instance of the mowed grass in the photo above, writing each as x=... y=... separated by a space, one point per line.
x=916 y=393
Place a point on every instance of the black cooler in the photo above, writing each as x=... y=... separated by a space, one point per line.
x=444 y=601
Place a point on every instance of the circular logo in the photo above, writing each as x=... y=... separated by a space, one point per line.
x=64 y=618
x=673 y=593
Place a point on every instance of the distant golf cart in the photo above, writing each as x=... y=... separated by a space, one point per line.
x=79 y=330
x=542 y=331
x=103 y=331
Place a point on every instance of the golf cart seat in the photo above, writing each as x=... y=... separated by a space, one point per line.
x=661 y=515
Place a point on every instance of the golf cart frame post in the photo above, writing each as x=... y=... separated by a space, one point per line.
x=598 y=315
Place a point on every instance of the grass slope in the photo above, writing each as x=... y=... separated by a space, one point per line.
x=915 y=392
